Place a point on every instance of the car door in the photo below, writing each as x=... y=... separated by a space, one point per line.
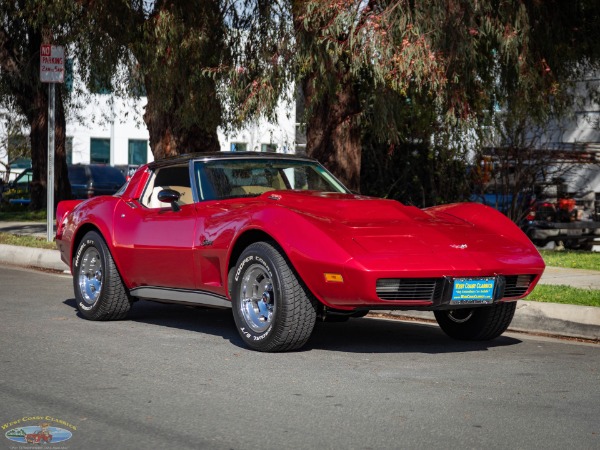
x=153 y=242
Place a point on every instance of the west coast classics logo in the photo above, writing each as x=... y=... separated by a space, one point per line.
x=38 y=430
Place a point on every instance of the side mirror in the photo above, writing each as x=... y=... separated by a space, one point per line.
x=170 y=196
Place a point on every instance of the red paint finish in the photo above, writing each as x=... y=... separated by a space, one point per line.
x=361 y=238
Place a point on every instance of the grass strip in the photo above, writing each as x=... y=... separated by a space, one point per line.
x=13 y=214
x=550 y=293
x=572 y=259
x=26 y=241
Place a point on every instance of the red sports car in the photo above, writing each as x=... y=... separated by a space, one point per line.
x=282 y=242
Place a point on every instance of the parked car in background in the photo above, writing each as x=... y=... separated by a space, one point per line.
x=282 y=242
x=87 y=180
x=90 y=180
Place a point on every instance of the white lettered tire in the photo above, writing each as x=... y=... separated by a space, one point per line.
x=99 y=290
x=272 y=309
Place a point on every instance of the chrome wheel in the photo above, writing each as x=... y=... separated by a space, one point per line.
x=90 y=276
x=257 y=303
x=460 y=315
x=272 y=309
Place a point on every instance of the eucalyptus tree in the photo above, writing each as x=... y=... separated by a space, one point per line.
x=164 y=47
x=353 y=55
x=24 y=26
x=375 y=65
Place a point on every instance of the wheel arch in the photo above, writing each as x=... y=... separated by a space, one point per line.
x=245 y=239
x=78 y=237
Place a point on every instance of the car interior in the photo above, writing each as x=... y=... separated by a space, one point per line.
x=176 y=178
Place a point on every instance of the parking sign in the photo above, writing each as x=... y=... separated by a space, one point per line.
x=52 y=64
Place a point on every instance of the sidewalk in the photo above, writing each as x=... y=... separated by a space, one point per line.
x=580 y=278
x=532 y=317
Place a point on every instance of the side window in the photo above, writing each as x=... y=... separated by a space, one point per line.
x=176 y=178
x=77 y=175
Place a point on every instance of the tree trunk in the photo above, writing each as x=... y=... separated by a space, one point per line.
x=38 y=134
x=332 y=136
x=169 y=137
x=62 y=186
x=38 y=123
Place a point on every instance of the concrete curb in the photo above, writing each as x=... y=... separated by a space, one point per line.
x=555 y=319
x=31 y=257
x=563 y=320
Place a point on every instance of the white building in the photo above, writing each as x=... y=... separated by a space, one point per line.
x=113 y=132
x=110 y=130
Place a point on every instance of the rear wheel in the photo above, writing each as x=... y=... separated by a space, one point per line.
x=272 y=308
x=99 y=291
x=476 y=324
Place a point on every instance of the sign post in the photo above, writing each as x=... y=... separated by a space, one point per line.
x=52 y=70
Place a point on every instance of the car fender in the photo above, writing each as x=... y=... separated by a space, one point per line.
x=308 y=244
x=94 y=214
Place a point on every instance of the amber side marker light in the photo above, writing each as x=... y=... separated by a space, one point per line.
x=334 y=277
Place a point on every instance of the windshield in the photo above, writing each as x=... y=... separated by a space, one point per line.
x=233 y=178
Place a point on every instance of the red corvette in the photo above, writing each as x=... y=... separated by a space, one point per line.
x=282 y=242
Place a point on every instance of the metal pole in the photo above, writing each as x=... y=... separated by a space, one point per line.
x=50 y=179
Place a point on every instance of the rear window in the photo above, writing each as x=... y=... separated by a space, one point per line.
x=77 y=175
x=107 y=174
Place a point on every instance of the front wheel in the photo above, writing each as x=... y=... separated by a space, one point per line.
x=99 y=290
x=272 y=308
x=476 y=324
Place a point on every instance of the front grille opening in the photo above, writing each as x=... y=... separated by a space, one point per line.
x=517 y=285
x=422 y=289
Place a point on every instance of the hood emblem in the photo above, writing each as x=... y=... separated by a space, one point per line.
x=459 y=246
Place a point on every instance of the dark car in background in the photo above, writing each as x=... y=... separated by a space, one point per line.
x=87 y=180
x=90 y=180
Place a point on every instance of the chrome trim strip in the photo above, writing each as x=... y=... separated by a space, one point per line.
x=181 y=296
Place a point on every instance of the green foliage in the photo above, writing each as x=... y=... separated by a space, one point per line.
x=14 y=194
x=415 y=174
x=572 y=259
x=258 y=73
x=375 y=65
x=446 y=52
x=566 y=295
x=25 y=25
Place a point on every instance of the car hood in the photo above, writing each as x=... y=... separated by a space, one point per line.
x=389 y=228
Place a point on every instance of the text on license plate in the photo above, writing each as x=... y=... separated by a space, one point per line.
x=475 y=290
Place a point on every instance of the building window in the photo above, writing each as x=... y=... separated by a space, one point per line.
x=138 y=151
x=99 y=151
x=239 y=147
x=272 y=148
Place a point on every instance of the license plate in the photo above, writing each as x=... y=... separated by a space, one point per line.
x=473 y=290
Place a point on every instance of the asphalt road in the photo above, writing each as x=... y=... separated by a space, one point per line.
x=172 y=377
